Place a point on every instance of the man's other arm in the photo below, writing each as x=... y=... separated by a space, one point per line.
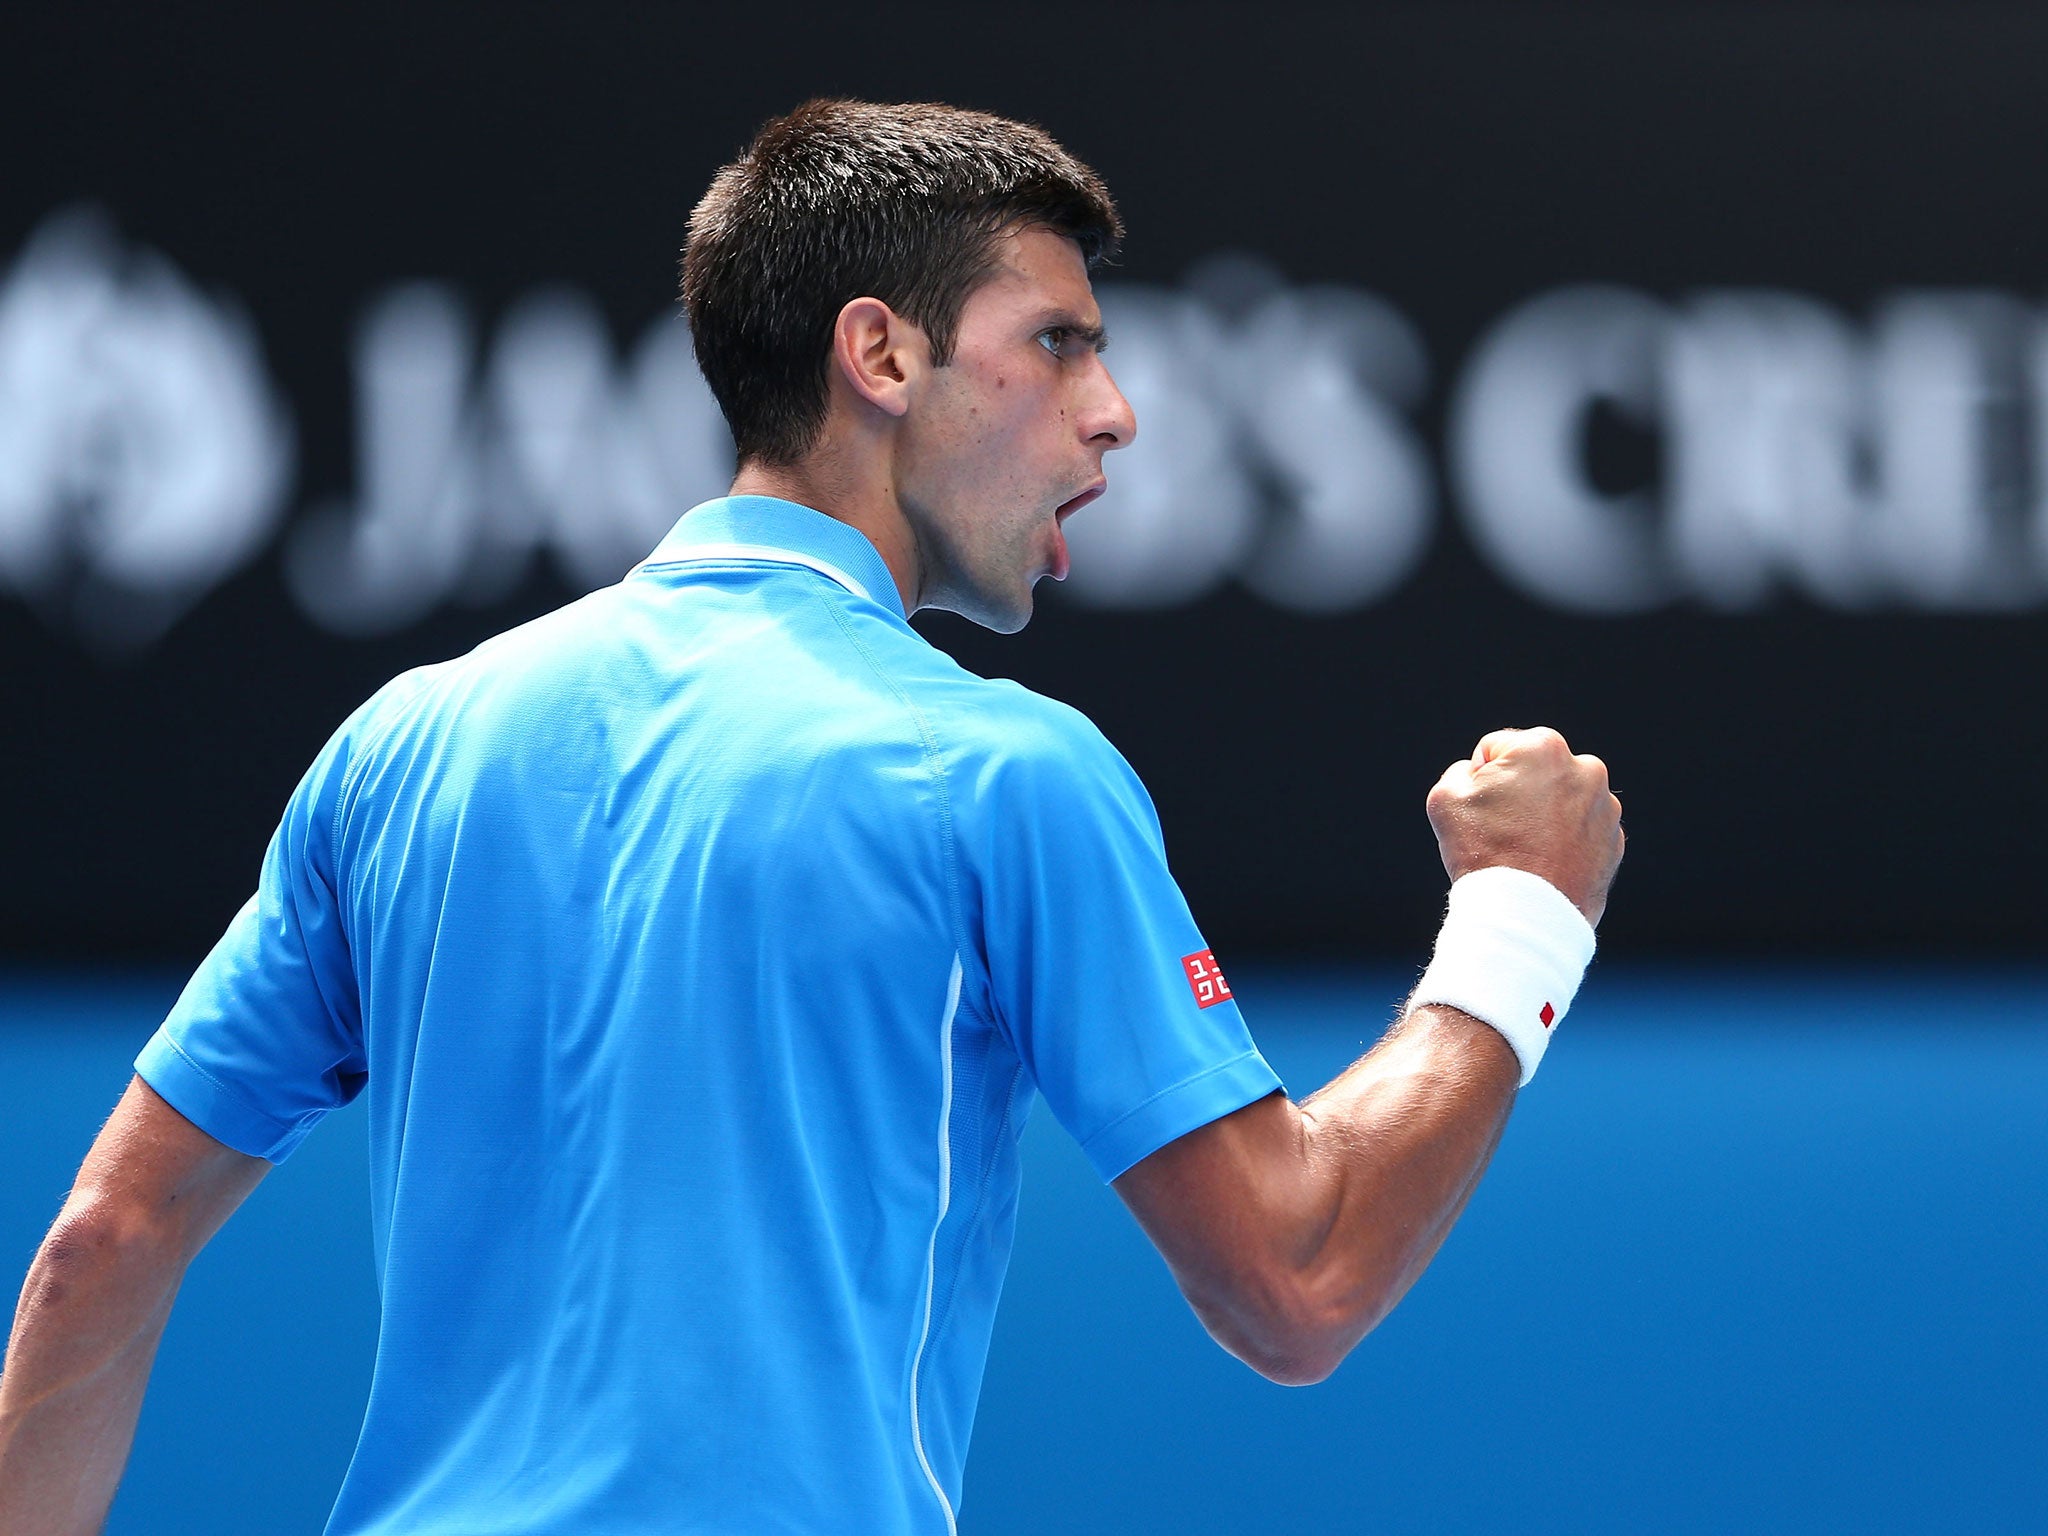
x=1294 y=1228
x=152 y=1191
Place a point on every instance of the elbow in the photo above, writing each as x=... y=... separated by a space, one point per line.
x=95 y=1251
x=1299 y=1366
x=1290 y=1357
x=1305 y=1350
x=1296 y=1327
x=97 y=1235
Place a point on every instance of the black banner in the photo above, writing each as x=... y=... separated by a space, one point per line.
x=1678 y=377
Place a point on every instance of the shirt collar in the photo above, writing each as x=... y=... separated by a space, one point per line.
x=770 y=531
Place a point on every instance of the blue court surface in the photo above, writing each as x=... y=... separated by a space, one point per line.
x=1764 y=1250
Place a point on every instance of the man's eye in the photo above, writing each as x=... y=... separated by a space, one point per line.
x=1054 y=340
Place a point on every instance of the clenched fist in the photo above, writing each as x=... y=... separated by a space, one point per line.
x=1523 y=799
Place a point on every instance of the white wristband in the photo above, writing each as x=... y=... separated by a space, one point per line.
x=1511 y=953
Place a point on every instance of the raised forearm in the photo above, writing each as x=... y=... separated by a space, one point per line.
x=1293 y=1229
x=78 y=1359
x=1531 y=836
x=1391 y=1151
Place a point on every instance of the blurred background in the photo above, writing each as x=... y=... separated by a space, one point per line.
x=1675 y=375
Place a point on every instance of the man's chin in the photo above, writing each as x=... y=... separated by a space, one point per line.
x=1004 y=617
x=1004 y=621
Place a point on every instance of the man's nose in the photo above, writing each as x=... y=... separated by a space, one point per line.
x=1110 y=421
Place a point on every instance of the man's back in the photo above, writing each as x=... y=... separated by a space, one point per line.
x=602 y=872
x=662 y=929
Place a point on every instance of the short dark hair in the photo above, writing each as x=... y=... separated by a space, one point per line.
x=843 y=200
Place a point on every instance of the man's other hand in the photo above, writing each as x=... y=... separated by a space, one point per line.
x=1525 y=800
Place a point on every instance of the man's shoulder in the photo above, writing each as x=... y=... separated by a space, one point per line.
x=399 y=700
x=1012 y=753
x=432 y=697
x=995 y=720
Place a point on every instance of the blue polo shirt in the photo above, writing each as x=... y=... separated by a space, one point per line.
x=701 y=946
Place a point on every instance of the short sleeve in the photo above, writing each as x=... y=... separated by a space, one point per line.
x=267 y=1036
x=1097 y=971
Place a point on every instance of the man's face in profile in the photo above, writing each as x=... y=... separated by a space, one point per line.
x=1007 y=440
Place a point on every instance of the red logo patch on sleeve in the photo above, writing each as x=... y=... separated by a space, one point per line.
x=1209 y=986
x=1548 y=1015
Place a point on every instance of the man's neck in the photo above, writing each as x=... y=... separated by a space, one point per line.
x=871 y=509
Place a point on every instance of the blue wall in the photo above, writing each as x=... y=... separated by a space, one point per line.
x=1761 y=1251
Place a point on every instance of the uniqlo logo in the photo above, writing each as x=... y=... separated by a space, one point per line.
x=1210 y=987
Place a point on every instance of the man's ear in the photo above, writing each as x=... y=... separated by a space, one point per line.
x=879 y=354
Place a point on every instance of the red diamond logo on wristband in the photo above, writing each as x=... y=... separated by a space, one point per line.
x=1548 y=1015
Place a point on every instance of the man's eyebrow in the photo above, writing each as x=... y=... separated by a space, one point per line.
x=1096 y=336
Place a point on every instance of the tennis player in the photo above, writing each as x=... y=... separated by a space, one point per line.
x=702 y=945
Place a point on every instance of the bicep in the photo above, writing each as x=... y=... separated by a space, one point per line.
x=153 y=1170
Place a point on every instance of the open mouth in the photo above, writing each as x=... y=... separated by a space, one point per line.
x=1073 y=504
x=1060 y=514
